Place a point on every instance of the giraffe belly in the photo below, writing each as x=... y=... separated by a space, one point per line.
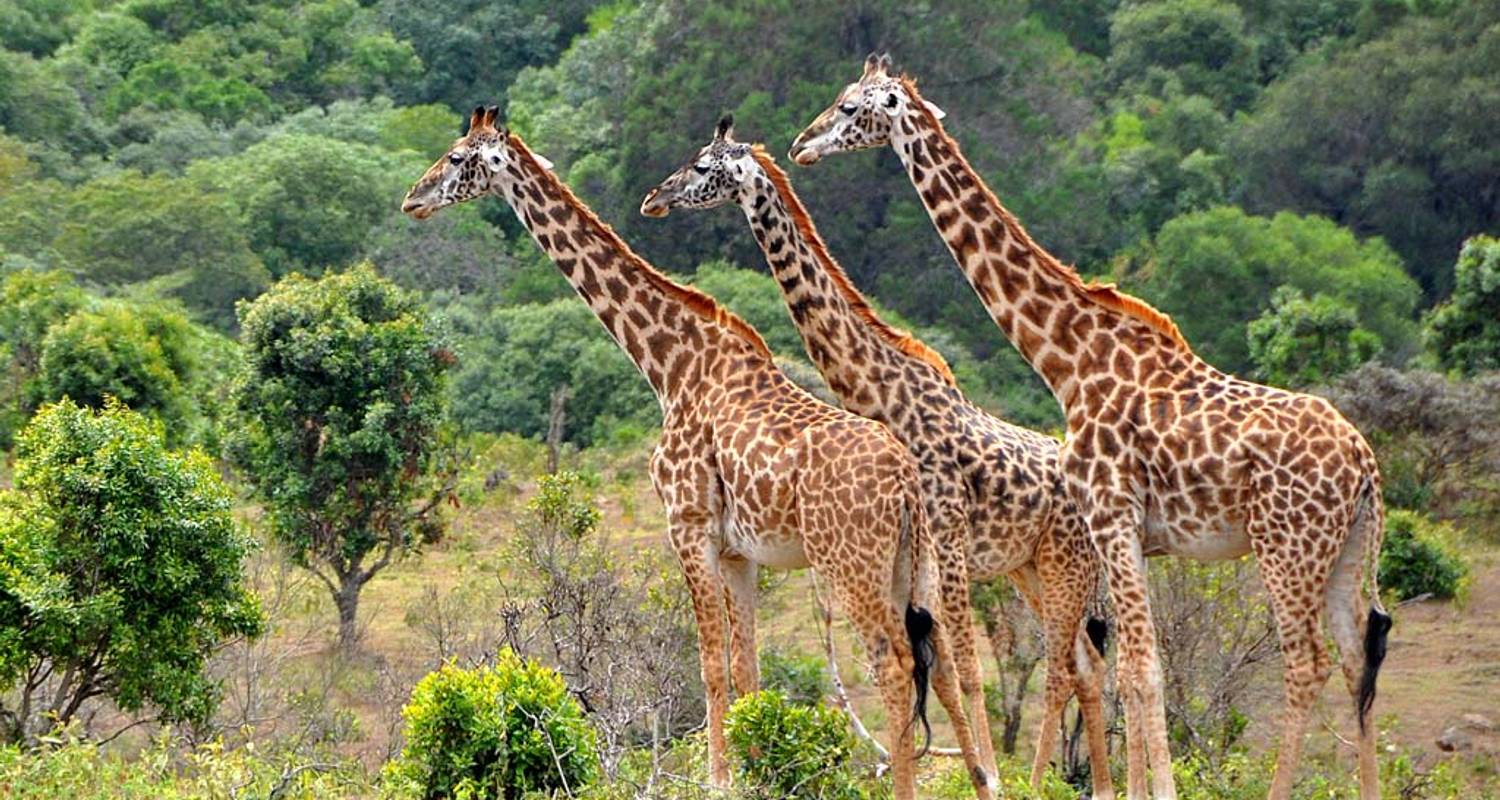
x=777 y=549
x=1205 y=540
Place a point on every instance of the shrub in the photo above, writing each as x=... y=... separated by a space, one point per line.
x=790 y=750
x=801 y=677
x=493 y=732
x=1417 y=558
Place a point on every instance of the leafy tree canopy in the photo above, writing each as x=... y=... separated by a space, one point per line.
x=1464 y=333
x=1215 y=270
x=120 y=569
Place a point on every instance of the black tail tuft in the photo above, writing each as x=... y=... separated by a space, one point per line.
x=1376 y=629
x=1098 y=631
x=919 y=626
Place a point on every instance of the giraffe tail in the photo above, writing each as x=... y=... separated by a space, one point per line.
x=919 y=621
x=1369 y=528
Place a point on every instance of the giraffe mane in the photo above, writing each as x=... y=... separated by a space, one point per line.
x=1104 y=294
x=695 y=300
x=903 y=341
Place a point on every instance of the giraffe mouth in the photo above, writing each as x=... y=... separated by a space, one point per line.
x=654 y=205
x=804 y=156
x=416 y=209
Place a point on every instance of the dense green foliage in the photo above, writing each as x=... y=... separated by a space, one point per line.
x=1216 y=270
x=1464 y=333
x=1303 y=342
x=788 y=749
x=1417 y=559
x=120 y=566
x=338 y=406
x=493 y=732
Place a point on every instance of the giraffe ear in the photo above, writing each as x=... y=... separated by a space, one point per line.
x=937 y=113
x=725 y=128
x=543 y=162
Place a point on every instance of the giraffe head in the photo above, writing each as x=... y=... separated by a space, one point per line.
x=478 y=163
x=861 y=117
x=716 y=175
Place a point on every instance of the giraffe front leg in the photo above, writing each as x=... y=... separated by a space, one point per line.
x=739 y=576
x=700 y=568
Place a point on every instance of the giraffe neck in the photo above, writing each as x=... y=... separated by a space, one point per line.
x=862 y=357
x=1064 y=328
x=675 y=334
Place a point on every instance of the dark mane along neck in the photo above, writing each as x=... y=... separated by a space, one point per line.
x=1021 y=250
x=902 y=341
x=693 y=300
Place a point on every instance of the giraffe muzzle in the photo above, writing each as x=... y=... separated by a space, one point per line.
x=804 y=155
x=655 y=206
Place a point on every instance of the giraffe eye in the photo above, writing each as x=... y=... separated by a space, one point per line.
x=701 y=167
x=455 y=158
x=848 y=109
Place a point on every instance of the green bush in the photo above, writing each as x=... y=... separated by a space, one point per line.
x=789 y=750
x=800 y=677
x=493 y=732
x=120 y=566
x=1418 y=559
x=168 y=770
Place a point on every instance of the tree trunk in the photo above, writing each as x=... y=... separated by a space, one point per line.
x=557 y=421
x=347 y=600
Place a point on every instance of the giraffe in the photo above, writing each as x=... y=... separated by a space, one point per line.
x=751 y=469
x=995 y=495
x=1166 y=454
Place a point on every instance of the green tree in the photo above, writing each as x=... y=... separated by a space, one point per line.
x=1398 y=137
x=471 y=49
x=120 y=571
x=517 y=356
x=128 y=228
x=30 y=303
x=339 y=404
x=36 y=104
x=1200 y=45
x=1301 y=342
x=307 y=202
x=1464 y=333
x=149 y=356
x=1215 y=270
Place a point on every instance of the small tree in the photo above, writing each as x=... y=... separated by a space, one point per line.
x=339 y=401
x=1300 y=342
x=1464 y=333
x=494 y=732
x=120 y=571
